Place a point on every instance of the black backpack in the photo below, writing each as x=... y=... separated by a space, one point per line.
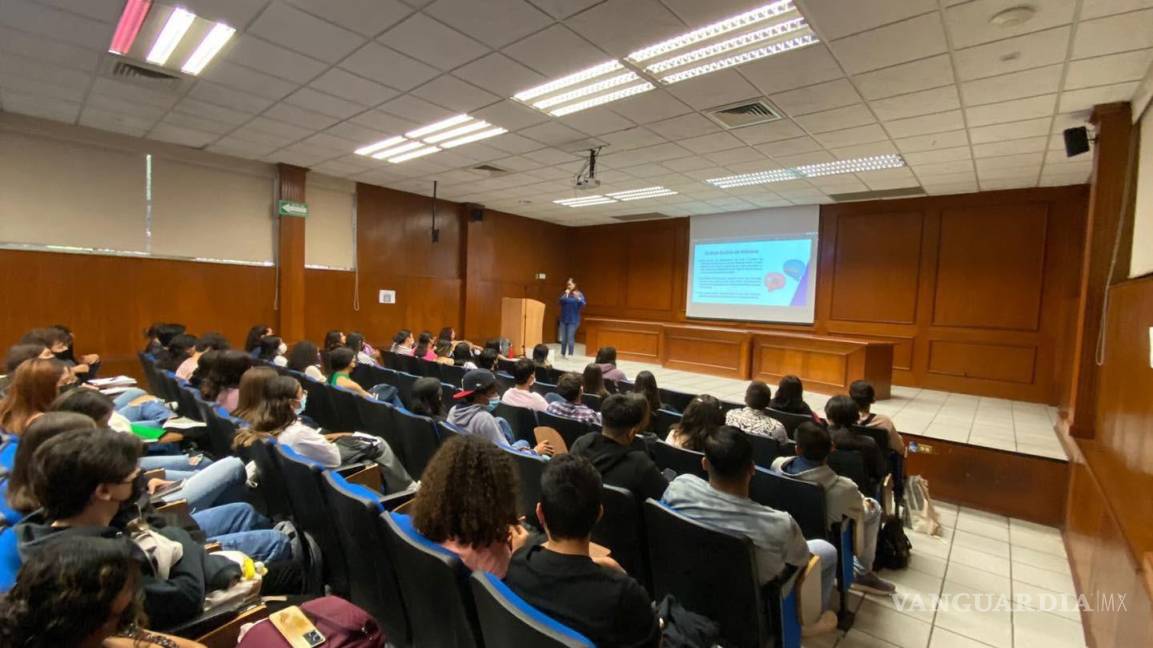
x=685 y=628
x=893 y=546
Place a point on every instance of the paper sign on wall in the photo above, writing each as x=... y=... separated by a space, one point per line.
x=387 y=297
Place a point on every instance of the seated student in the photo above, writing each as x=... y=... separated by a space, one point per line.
x=207 y=342
x=59 y=344
x=222 y=384
x=16 y=356
x=522 y=395
x=82 y=479
x=646 y=385
x=862 y=393
x=791 y=397
x=360 y=347
x=472 y=417
x=607 y=359
x=272 y=349
x=278 y=417
x=754 y=418
x=540 y=356
x=86 y=366
x=593 y=381
x=443 y=351
x=178 y=350
x=842 y=499
x=569 y=389
x=235 y=526
x=80 y=591
x=842 y=414
x=333 y=339
x=251 y=391
x=593 y=596
x=305 y=358
x=255 y=335
x=402 y=342
x=467 y=502
x=423 y=348
x=487 y=359
x=34 y=385
x=701 y=417
x=159 y=335
x=462 y=355
x=341 y=362
x=427 y=398
x=612 y=452
x=723 y=502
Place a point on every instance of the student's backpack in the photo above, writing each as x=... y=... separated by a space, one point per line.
x=342 y=624
x=893 y=546
x=919 y=513
x=684 y=628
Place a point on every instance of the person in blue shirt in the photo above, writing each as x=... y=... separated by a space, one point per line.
x=571 y=304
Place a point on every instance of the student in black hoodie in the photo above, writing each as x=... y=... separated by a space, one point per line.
x=82 y=480
x=612 y=452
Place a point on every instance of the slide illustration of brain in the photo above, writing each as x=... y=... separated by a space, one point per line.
x=774 y=281
x=795 y=268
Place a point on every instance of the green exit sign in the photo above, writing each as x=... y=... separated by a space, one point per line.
x=292 y=208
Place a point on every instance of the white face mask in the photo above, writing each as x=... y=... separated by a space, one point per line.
x=282 y=349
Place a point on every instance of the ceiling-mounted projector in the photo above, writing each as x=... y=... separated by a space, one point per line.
x=586 y=178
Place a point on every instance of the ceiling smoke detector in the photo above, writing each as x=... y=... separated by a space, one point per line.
x=1013 y=16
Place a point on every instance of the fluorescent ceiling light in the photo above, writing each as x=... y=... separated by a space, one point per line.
x=414 y=154
x=640 y=194
x=585 y=201
x=432 y=128
x=135 y=11
x=208 y=48
x=381 y=145
x=741 y=21
x=492 y=132
x=457 y=132
x=855 y=165
x=732 y=44
x=178 y=23
x=572 y=79
x=396 y=150
x=593 y=88
x=744 y=57
x=603 y=99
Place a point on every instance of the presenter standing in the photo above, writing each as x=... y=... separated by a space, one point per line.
x=571 y=304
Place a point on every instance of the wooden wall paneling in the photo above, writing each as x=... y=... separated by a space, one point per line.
x=707 y=350
x=1000 y=362
x=290 y=185
x=876 y=262
x=633 y=340
x=649 y=283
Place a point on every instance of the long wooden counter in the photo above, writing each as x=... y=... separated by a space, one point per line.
x=827 y=363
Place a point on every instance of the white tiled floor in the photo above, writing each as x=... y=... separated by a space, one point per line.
x=991 y=422
x=978 y=554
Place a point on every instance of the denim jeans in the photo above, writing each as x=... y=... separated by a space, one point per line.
x=240 y=528
x=222 y=482
x=828 y=555
x=152 y=411
x=121 y=400
x=566 y=334
x=870 y=527
x=175 y=462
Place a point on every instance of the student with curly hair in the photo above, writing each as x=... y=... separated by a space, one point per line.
x=702 y=416
x=467 y=503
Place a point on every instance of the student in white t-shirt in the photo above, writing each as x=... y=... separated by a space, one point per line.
x=522 y=395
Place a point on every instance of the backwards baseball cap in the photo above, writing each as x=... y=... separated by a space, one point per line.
x=476 y=380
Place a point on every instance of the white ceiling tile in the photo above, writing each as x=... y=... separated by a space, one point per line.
x=942 y=168
x=300 y=117
x=415 y=109
x=624 y=26
x=29 y=87
x=383 y=122
x=115 y=104
x=926 y=124
x=61 y=25
x=18 y=66
x=228 y=98
x=180 y=135
x=1026 y=83
x=658 y=153
x=238 y=13
x=550 y=156
x=242 y=148
x=1020 y=53
x=356 y=133
x=967 y=176
x=563 y=8
x=348 y=86
x=1009 y=111
x=816 y=157
x=789 y=147
x=103 y=10
x=932 y=141
x=367 y=17
x=115 y=121
x=692 y=163
x=853 y=136
x=771 y=132
x=834 y=18
x=969 y=23
x=248 y=80
x=511 y=115
x=711 y=142
x=939 y=155
x=271 y=59
x=1119 y=33
x=339 y=145
x=556 y=51
x=596 y=121
x=14 y=41
x=1085 y=99
x=793 y=69
x=374 y=61
x=1098 y=8
x=927 y=73
x=1011 y=162
x=712 y=90
x=161 y=98
x=836 y=119
x=1105 y=70
x=916 y=103
x=684 y=126
x=952 y=189
x=324 y=103
x=452 y=93
x=280 y=23
x=282 y=130
x=638 y=137
x=513 y=143
x=1013 y=130
x=1063 y=180
x=865 y=150
x=1011 y=147
x=650 y=106
x=908 y=40
x=431 y=42
x=500 y=74
x=195 y=122
x=552 y=133
x=494 y=22
x=39 y=106
x=815 y=98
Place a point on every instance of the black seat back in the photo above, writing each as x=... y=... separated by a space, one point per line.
x=345 y=416
x=591 y=401
x=622 y=530
x=529 y=468
x=788 y=419
x=302 y=478
x=452 y=374
x=221 y=430
x=851 y=464
x=369 y=376
x=319 y=407
x=712 y=572
x=507 y=620
x=805 y=501
x=404 y=382
x=380 y=419
x=388 y=360
x=570 y=429
x=522 y=420
x=678 y=460
x=543 y=388
x=187 y=400
x=504 y=382
x=420 y=439
x=879 y=436
x=271 y=484
x=679 y=400
x=765 y=449
x=661 y=420
x=409 y=364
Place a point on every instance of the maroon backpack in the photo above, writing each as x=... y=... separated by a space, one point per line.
x=343 y=625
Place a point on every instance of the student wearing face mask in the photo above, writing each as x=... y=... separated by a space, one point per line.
x=272 y=349
x=473 y=412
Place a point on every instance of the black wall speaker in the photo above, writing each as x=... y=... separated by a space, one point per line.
x=475 y=212
x=1076 y=141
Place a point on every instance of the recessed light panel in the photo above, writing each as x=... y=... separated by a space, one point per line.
x=590 y=87
x=172 y=36
x=426 y=140
x=616 y=196
x=856 y=165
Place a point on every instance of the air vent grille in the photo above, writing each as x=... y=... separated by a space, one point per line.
x=142 y=74
x=128 y=70
x=490 y=169
x=744 y=113
x=904 y=192
x=639 y=217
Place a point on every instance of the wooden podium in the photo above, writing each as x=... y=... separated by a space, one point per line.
x=522 y=322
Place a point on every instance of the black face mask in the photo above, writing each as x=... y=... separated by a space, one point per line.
x=66 y=354
x=132 y=508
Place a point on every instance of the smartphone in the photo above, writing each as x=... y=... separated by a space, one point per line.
x=296 y=629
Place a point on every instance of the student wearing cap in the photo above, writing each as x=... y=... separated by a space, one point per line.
x=473 y=416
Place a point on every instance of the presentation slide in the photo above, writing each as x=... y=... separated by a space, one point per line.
x=755 y=266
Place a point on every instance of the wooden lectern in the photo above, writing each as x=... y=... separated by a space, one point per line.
x=522 y=322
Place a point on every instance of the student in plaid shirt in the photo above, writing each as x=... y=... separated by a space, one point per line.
x=570 y=388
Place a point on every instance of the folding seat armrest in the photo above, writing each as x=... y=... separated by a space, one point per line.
x=228 y=634
x=157 y=473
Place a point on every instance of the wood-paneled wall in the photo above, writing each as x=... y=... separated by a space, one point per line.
x=975 y=290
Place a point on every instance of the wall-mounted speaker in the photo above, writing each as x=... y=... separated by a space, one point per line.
x=1076 y=141
x=475 y=212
